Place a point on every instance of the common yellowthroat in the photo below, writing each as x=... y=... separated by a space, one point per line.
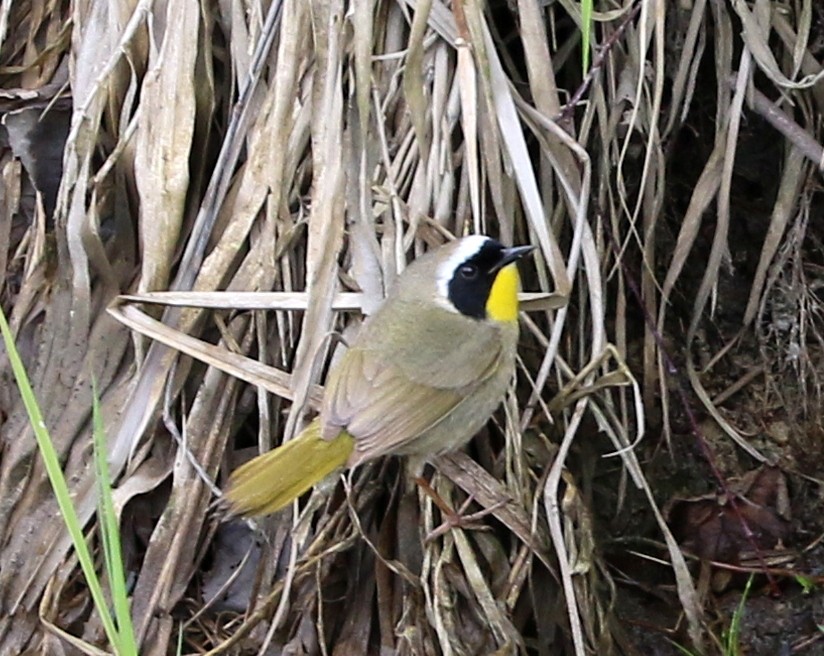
x=424 y=374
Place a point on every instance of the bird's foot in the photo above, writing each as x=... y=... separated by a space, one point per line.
x=455 y=519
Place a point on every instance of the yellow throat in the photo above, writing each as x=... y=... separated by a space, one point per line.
x=502 y=304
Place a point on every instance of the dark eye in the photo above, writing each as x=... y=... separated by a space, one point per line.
x=468 y=271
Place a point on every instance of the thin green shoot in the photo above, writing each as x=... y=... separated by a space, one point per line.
x=586 y=33
x=110 y=535
x=807 y=584
x=732 y=635
x=60 y=488
x=179 y=651
x=683 y=650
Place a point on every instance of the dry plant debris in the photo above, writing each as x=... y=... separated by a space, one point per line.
x=161 y=163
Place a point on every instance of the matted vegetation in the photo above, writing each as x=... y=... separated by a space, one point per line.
x=240 y=181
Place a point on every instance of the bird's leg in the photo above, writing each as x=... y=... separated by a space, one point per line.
x=451 y=518
x=437 y=499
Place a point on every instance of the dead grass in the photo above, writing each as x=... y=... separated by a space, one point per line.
x=308 y=150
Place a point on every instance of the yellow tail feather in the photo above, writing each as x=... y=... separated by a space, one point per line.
x=272 y=480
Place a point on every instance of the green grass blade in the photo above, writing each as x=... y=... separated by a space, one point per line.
x=732 y=645
x=58 y=482
x=110 y=535
x=586 y=33
x=683 y=650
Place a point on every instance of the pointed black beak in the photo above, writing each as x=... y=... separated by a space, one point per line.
x=509 y=255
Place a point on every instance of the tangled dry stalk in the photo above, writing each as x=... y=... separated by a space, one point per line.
x=251 y=177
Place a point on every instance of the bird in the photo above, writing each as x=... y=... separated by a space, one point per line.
x=424 y=374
